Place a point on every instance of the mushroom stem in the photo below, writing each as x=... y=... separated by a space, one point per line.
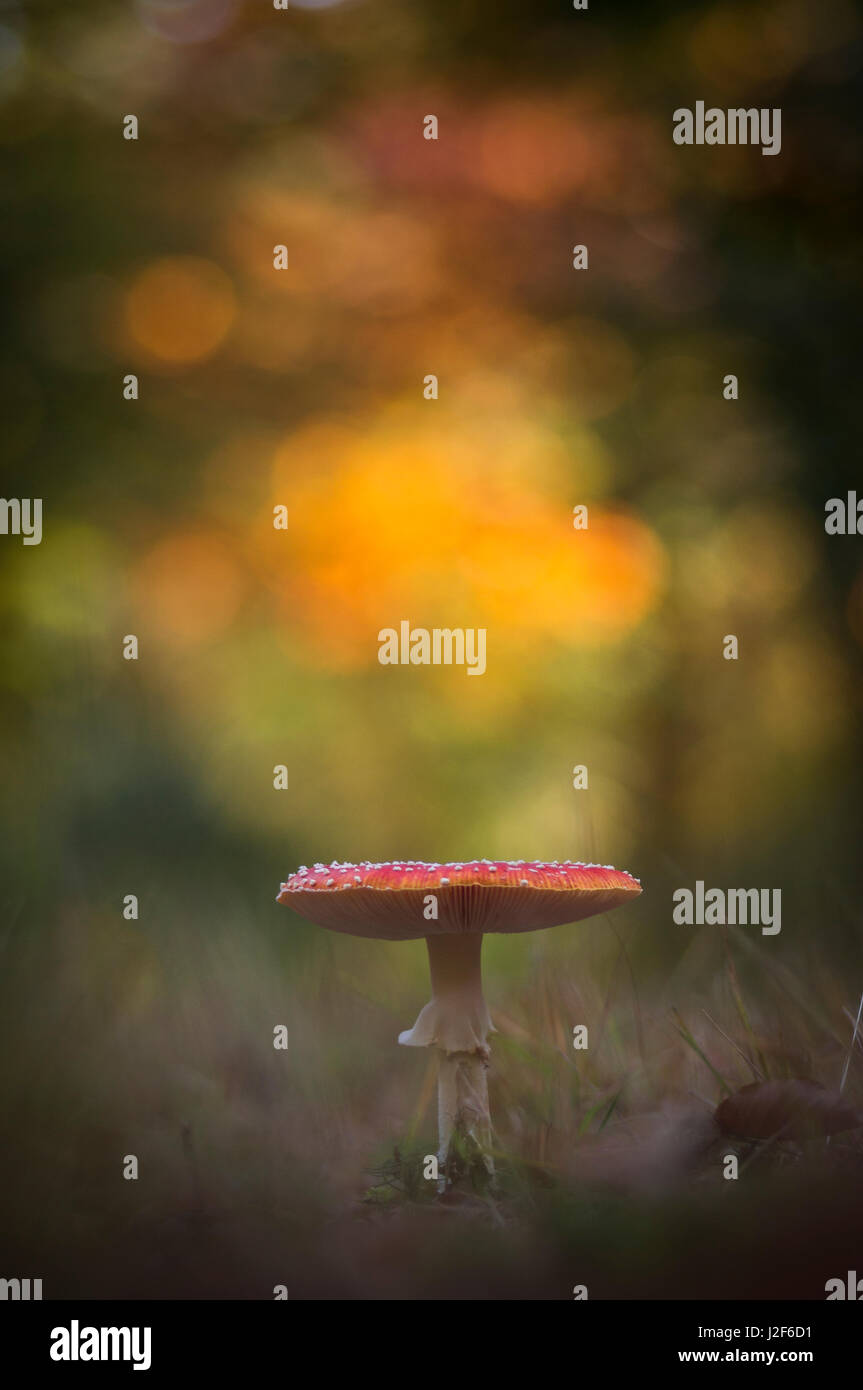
x=456 y=1020
x=462 y=1109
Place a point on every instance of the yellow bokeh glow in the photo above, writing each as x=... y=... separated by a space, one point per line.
x=180 y=308
x=396 y=525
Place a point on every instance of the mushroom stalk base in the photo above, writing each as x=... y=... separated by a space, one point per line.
x=464 y=1122
x=457 y=1022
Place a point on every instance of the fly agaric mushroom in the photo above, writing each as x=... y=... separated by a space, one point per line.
x=453 y=906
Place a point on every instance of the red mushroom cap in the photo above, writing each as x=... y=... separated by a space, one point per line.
x=388 y=900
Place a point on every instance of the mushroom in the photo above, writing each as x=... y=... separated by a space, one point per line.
x=453 y=906
x=794 y=1108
